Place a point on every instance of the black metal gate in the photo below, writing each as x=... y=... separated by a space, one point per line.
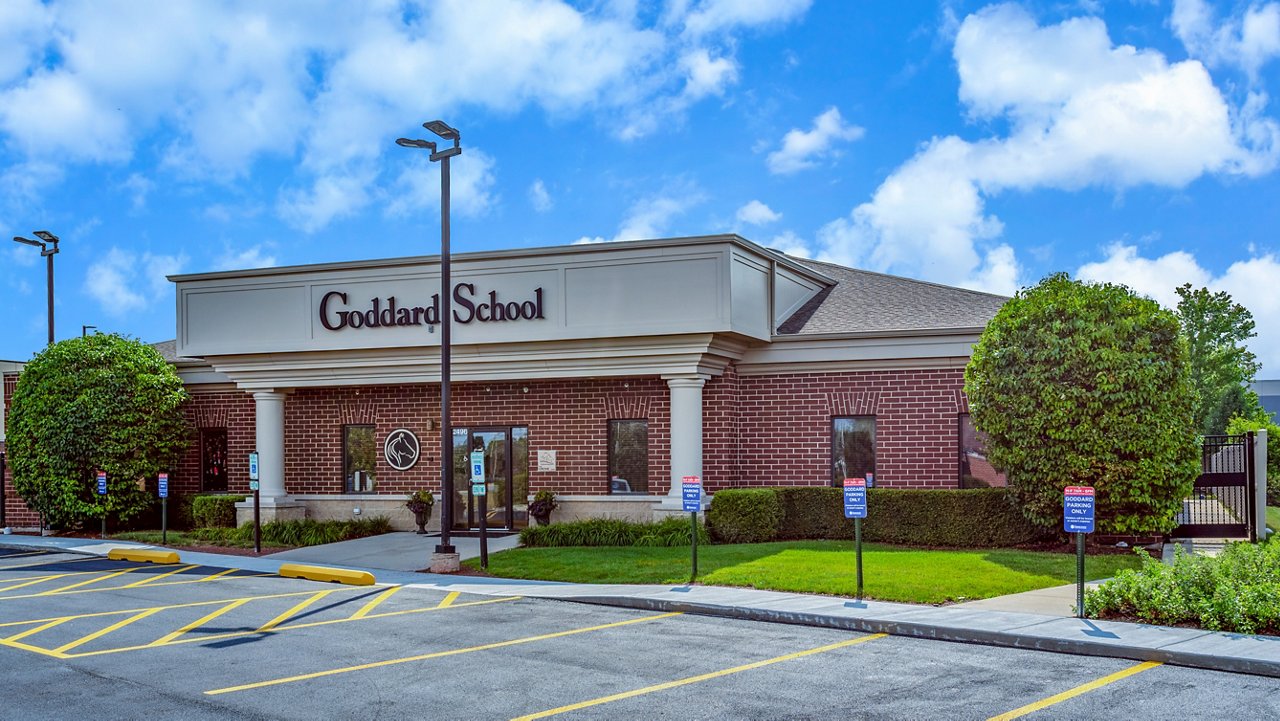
x=1222 y=504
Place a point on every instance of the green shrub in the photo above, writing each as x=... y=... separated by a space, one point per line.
x=612 y=532
x=969 y=518
x=744 y=515
x=305 y=532
x=214 y=511
x=1237 y=591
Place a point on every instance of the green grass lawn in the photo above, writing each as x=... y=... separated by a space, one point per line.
x=891 y=573
x=1273 y=518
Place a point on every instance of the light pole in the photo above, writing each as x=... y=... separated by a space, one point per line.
x=446 y=312
x=84 y=330
x=47 y=252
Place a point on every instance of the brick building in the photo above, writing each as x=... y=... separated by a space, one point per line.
x=602 y=372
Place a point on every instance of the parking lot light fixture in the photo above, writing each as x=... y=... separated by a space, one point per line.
x=48 y=245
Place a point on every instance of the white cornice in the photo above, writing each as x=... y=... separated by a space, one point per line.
x=861 y=352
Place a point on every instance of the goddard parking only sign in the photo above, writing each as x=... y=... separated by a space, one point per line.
x=1077 y=509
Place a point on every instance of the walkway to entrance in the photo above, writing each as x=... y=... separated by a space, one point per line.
x=390 y=551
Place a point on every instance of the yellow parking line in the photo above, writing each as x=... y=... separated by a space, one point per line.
x=280 y=629
x=46 y=576
x=157 y=577
x=109 y=629
x=200 y=621
x=109 y=576
x=220 y=574
x=1072 y=693
x=119 y=612
x=365 y=609
x=50 y=563
x=222 y=577
x=37 y=629
x=296 y=609
x=447 y=601
x=698 y=678
x=34 y=581
x=437 y=654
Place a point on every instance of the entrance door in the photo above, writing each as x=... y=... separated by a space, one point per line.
x=506 y=468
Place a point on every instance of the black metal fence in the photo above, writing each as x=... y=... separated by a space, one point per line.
x=1222 y=504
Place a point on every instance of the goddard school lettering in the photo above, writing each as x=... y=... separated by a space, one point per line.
x=386 y=313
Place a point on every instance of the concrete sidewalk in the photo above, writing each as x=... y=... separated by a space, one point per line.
x=967 y=623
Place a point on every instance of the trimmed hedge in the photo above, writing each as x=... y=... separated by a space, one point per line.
x=968 y=518
x=214 y=511
x=745 y=515
x=612 y=532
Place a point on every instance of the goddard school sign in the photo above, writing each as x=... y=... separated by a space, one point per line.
x=336 y=314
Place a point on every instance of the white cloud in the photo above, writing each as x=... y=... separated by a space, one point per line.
x=1247 y=40
x=801 y=149
x=471 y=181
x=652 y=216
x=788 y=243
x=539 y=198
x=716 y=15
x=757 y=213
x=138 y=187
x=1249 y=282
x=251 y=257
x=123 y=282
x=1082 y=113
x=85 y=81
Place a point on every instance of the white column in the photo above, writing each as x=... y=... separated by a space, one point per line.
x=686 y=429
x=269 y=419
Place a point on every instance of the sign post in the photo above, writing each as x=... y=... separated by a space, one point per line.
x=691 y=495
x=1077 y=518
x=480 y=489
x=163 y=482
x=102 y=491
x=257 y=518
x=855 y=507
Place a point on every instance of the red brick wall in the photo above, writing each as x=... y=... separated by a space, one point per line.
x=16 y=512
x=230 y=409
x=786 y=425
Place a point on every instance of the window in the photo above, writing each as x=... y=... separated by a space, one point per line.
x=629 y=456
x=359 y=459
x=213 y=459
x=975 y=470
x=853 y=448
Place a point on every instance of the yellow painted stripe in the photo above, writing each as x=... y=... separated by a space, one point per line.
x=154 y=585
x=437 y=654
x=109 y=576
x=48 y=563
x=48 y=576
x=34 y=581
x=365 y=609
x=157 y=577
x=103 y=632
x=120 y=612
x=33 y=649
x=447 y=601
x=220 y=574
x=699 y=678
x=37 y=629
x=278 y=629
x=200 y=621
x=297 y=608
x=1078 y=690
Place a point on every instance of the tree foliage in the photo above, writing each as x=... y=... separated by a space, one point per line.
x=1087 y=384
x=1239 y=425
x=102 y=402
x=1216 y=329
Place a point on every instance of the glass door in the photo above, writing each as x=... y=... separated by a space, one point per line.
x=506 y=469
x=495 y=444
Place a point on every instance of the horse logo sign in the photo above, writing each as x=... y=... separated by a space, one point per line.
x=401 y=449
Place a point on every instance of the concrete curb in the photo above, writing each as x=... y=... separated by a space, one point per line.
x=959 y=634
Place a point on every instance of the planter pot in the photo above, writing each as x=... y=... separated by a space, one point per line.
x=422 y=518
x=543 y=520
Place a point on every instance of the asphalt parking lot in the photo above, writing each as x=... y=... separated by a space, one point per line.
x=118 y=640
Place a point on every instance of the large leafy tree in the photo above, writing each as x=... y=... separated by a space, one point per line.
x=102 y=402
x=1087 y=384
x=1216 y=328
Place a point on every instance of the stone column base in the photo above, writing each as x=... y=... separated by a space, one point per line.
x=275 y=509
x=445 y=563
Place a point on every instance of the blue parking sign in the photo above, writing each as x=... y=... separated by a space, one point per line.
x=1078 y=509
x=164 y=485
x=855 y=498
x=691 y=493
x=102 y=483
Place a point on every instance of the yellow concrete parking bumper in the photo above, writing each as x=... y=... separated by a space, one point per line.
x=142 y=555
x=321 y=573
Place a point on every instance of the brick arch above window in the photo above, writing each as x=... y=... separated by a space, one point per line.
x=626 y=405
x=361 y=411
x=857 y=403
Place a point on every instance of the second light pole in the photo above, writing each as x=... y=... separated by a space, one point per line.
x=48 y=249
x=440 y=128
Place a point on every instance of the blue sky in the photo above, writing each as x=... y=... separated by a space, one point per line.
x=975 y=144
